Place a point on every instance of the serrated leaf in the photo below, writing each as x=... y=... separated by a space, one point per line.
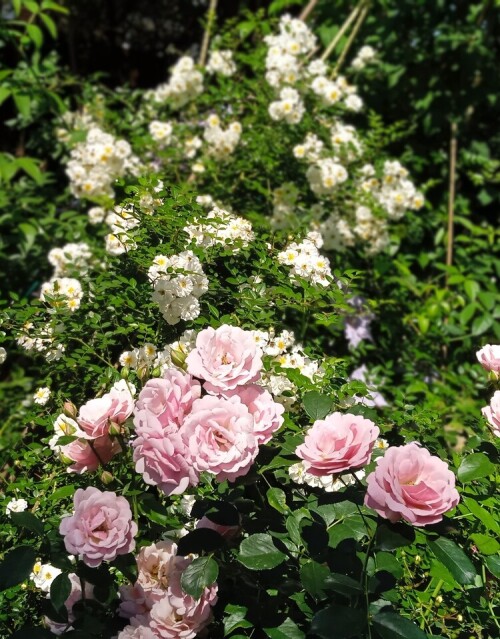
x=277 y=499
x=236 y=618
x=390 y=625
x=16 y=566
x=475 y=466
x=258 y=552
x=29 y=521
x=481 y=324
x=200 y=574
x=316 y=405
x=313 y=576
x=454 y=559
x=287 y=630
x=493 y=565
x=485 y=544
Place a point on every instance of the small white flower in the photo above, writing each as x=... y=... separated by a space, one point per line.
x=42 y=396
x=16 y=506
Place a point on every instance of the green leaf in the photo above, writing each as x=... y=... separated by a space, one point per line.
x=313 y=576
x=29 y=521
x=390 y=625
x=485 y=544
x=316 y=405
x=346 y=622
x=471 y=288
x=35 y=35
x=60 y=590
x=287 y=630
x=4 y=94
x=342 y=584
x=258 y=552
x=493 y=565
x=201 y=573
x=481 y=324
x=30 y=166
x=16 y=566
x=28 y=632
x=236 y=618
x=454 y=558
x=475 y=466
x=23 y=104
x=277 y=499
x=153 y=509
x=50 y=24
x=64 y=491
x=482 y=514
x=392 y=536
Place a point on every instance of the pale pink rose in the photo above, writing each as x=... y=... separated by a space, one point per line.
x=137 y=632
x=267 y=413
x=157 y=564
x=492 y=414
x=409 y=483
x=179 y=616
x=88 y=455
x=100 y=528
x=219 y=437
x=74 y=596
x=489 y=357
x=97 y=414
x=134 y=600
x=337 y=444
x=169 y=398
x=161 y=456
x=228 y=532
x=225 y=358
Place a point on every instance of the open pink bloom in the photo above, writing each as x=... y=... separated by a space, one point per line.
x=219 y=436
x=158 y=564
x=134 y=600
x=492 y=414
x=228 y=532
x=87 y=456
x=169 y=398
x=225 y=358
x=489 y=357
x=137 y=632
x=267 y=413
x=161 y=456
x=97 y=414
x=337 y=444
x=101 y=527
x=74 y=596
x=409 y=483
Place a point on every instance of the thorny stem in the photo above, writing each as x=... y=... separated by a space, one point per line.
x=352 y=37
x=342 y=30
x=206 y=34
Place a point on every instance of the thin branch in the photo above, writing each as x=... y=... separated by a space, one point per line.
x=306 y=11
x=352 y=37
x=342 y=30
x=206 y=34
x=451 y=196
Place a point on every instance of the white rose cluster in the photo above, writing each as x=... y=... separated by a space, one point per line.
x=173 y=355
x=289 y=107
x=121 y=221
x=64 y=292
x=178 y=282
x=284 y=206
x=395 y=192
x=310 y=150
x=325 y=175
x=336 y=91
x=328 y=483
x=70 y=257
x=161 y=132
x=364 y=56
x=185 y=84
x=345 y=141
x=16 y=506
x=306 y=262
x=43 y=341
x=97 y=162
x=43 y=575
x=139 y=358
x=220 y=227
x=286 y=51
x=221 y=142
x=221 y=62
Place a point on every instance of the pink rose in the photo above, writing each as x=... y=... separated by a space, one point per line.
x=489 y=357
x=88 y=455
x=409 y=483
x=228 y=532
x=134 y=600
x=492 y=414
x=225 y=358
x=170 y=397
x=337 y=444
x=101 y=527
x=74 y=596
x=156 y=564
x=219 y=437
x=266 y=413
x=137 y=632
x=96 y=415
x=161 y=456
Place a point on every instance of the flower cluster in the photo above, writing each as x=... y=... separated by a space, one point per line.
x=364 y=56
x=71 y=257
x=182 y=433
x=97 y=162
x=178 y=283
x=328 y=483
x=62 y=292
x=289 y=107
x=284 y=206
x=221 y=142
x=156 y=604
x=221 y=62
x=185 y=84
x=44 y=340
x=306 y=262
x=161 y=132
x=220 y=227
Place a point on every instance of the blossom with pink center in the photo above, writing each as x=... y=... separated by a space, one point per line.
x=337 y=444
x=489 y=357
x=267 y=413
x=169 y=398
x=74 y=596
x=492 y=414
x=100 y=528
x=225 y=358
x=161 y=456
x=137 y=631
x=409 y=483
x=219 y=436
x=97 y=414
x=88 y=455
x=134 y=600
x=158 y=564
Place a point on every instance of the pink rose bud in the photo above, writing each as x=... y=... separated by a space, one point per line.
x=409 y=483
x=489 y=357
x=492 y=414
x=70 y=410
